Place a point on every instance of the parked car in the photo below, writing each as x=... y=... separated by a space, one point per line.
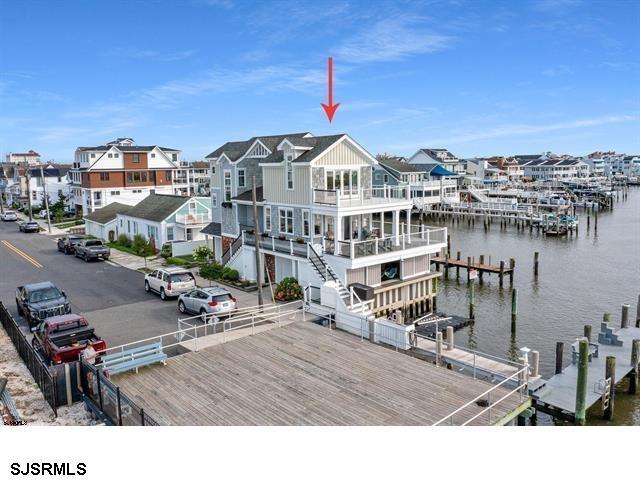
x=169 y=282
x=42 y=214
x=37 y=301
x=92 y=249
x=62 y=338
x=215 y=300
x=68 y=242
x=9 y=216
x=29 y=226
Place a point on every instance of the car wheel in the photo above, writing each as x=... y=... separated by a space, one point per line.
x=163 y=295
x=86 y=258
x=203 y=313
x=147 y=287
x=66 y=250
x=181 y=307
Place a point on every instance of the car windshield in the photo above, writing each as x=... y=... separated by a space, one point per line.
x=42 y=295
x=181 y=277
x=32 y=224
x=93 y=243
x=221 y=298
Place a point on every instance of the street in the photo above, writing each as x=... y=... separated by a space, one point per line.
x=110 y=296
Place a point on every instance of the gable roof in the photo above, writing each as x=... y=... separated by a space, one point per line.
x=317 y=146
x=108 y=213
x=235 y=150
x=247 y=196
x=157 y=207
x=398 y=165
x=434 y=154
x=50 y=172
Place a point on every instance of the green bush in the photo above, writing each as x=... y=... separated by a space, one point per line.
x=211 y=271
x=202 y=254
x=124 y=240
x=288 y=290
x=230 y=275
x=166 y=251
x=139 y=243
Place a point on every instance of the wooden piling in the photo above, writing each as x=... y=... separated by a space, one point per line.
x=514 y=304
x=624 y=321
x=635 y=358
x=449 y=337
x=638 y=313
x=581 y=383
x=501 y=272
x=595 y=223
x=468 y=269
x=448 y=244
x=458 y=267
x=587 y=332
x=606 y=317
x=512 y=267
x=559 y=355
x=535 y=363
x=472 y=301
x=610 y=372
x=536 y=258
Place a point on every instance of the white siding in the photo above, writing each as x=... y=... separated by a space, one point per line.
x=343 y=154
x=275 y=190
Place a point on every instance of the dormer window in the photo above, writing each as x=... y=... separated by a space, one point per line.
x=288 y=160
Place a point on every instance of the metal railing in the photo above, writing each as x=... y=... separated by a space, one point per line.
x=231 y=251
x=193 y=218
x=46 y=380
x=273 y=244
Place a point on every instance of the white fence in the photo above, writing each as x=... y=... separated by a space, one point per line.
x=186 y=247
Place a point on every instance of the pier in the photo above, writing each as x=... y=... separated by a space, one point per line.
x=471 y=266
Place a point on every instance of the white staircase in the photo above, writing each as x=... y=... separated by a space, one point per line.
x=477 y=194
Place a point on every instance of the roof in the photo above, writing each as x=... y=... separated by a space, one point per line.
x=127 y=148
x=30 y=153
x=37 y=286
x=433 y=153
x=398 y=165
x=214 y=228
x=199 y=165
x=318 y=146
x=247 y=196
x=435 y=169
x=235 y=150
x=157 y=207
x=108 y=213
x=50 y=172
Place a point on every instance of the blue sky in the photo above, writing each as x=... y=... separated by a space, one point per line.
x=477 y=77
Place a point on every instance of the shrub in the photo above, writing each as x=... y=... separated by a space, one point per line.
x=139 y=243
x=202 y=254
x=230 y=275
x=211 y=271
x=166 y=251
x=124 y=240
x=288 y=290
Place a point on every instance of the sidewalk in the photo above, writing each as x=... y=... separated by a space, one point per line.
x=55 y=232
x=133 y=262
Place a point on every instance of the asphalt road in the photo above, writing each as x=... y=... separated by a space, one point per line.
x=110 y=296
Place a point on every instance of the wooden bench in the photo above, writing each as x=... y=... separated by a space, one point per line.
x=134 y=358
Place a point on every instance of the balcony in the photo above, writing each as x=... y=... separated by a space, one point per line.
x=362 y=196
x=420 y=237
x=193 y=218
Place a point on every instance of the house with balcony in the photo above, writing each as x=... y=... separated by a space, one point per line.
x=122 y=172
x=192 y=179
x=350 y=243
x=440 y=156
x=166 y=218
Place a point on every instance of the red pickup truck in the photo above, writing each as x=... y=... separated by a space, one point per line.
x=62 y=338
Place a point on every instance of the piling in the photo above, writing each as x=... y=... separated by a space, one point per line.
x=606 y=317
x=449 y=337
x=536 y=259
x=448 y=244
x=581 y=383
x=438 y=346
x=512 y=266
x=635 y=358
x=514 y=305
x=535 y=363
x=501 y=272
x=588 y=220
x=595 y=223
x=468 y=269
x=559 y=355
x=446 y=266
x=610 y=372
x=587 y=332
x=638 y=313
x=472 y=301
x=624 y=322
x=457 y=267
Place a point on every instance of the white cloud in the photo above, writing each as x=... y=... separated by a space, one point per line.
x=557 y=71
x=391 y=39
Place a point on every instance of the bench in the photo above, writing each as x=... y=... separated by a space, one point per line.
x=134 y=358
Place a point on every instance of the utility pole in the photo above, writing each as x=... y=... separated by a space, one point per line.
x=46 y=199
x=28 y=177
x=256 y=236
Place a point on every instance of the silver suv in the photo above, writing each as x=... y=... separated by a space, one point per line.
x=215 y=300
x=169 y=282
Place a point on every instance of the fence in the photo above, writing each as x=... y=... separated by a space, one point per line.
x=104 y=396
x=185 y=247
x=46 y=380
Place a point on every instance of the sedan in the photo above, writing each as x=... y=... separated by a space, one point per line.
x=29 y=226
x=208 y=300
x=9 y=216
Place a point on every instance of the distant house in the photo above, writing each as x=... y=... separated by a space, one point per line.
x=55 y=181
x=395 y=171
x=166 y=218
x=441 y=156
x=103 y=221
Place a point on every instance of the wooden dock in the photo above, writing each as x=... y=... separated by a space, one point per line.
x=557 y=396
x=304 y=374
x=471 y=265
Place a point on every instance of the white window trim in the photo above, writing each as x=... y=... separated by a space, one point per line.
x=288 y=164
x=307 y=214
x=244 y=177
x=280 y=211
x=224 y=185
x=267 y=218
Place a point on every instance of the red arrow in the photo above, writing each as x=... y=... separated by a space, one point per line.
x=330 y=110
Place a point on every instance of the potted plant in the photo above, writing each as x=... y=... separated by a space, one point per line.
x=264 y=234
x=300 y=240
x=282 y=237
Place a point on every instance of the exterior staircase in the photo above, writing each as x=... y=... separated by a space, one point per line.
x=230 y=253
x=477 y=194
x=327 y=274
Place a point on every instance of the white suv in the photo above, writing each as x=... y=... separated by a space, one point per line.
x=169 y=282
x=9 y=216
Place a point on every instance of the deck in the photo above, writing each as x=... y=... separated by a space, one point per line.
x=304 y=374
x=480 y=267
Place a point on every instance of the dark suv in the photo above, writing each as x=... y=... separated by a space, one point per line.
x=38 y=301
x=67 y=244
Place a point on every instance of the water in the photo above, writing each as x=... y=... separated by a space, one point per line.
x=580 y=277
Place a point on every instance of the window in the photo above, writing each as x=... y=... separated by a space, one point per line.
x=135 y=228
x=317 y=225
x=116 y=155
x=214 y=200
x=227 y=186
x=110 y=156
x=170 y=234
x=152 y=232
x=167 y=175
x=241 y=177
x=115 y=192
x=135 y=158
x=213 y=169
x=153 y=155
x=286 y=220
x=267 y=218
x=129 y=226
x=289 y=167
x=93 y=155
x=306 y=224
x=104 y=176
x=386 y=178
x=174 y=156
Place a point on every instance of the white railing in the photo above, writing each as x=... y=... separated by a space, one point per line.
x=522 y=376
x=361 y=196
x=193 y=218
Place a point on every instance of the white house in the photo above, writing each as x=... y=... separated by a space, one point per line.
x=441 y=156
x=55 y=182
x=103 y=221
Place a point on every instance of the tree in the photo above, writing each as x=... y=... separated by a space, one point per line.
x=57 y=209
x=202 y=254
